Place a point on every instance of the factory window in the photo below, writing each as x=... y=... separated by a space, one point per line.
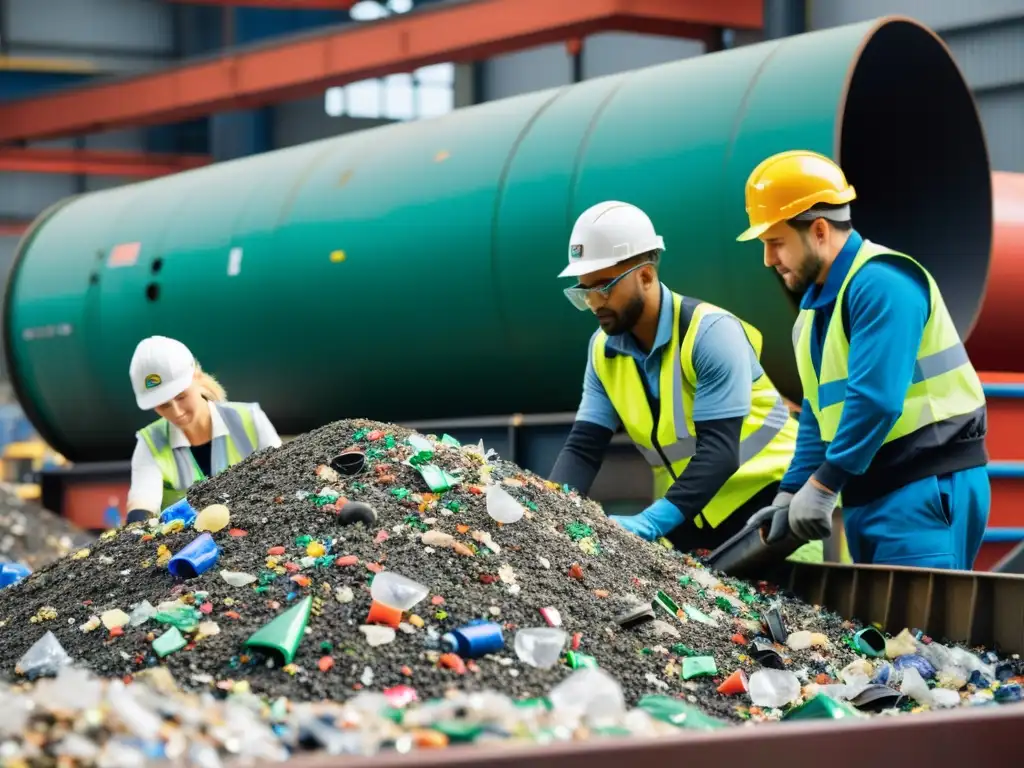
x=427 y=92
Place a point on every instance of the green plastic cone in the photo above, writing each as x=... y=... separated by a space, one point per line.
x=285 y=632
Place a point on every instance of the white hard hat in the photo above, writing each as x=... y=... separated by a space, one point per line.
x=161 y=369
x=608 y=233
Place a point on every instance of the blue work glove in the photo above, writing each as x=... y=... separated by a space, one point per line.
x=810 y=511
x=775 y=517
x=655 y=521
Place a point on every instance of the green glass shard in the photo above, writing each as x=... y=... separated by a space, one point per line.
x=821 y=707
x=694 y=615
x=699 y=666
x=183 y=617
x=683 y=650
x=577 y=660
x=420 y=444
x=667 y=604
x=169 y=642
x=534 y=702
x=458 y=730
x=447 y=439
x=437 y=479
x=678 y=713
x=284 y=633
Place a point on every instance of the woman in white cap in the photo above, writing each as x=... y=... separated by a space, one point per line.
x=199 y=432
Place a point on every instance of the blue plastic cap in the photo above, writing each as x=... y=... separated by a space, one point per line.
x=200 y=554
x=11 y=573
x=179 y=510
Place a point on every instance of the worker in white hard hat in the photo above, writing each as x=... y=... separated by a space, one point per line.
x=198 y=434
x=683 y=378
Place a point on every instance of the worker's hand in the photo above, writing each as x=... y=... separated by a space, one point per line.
x=655 y=521
x=810 y=511
x=774 y=517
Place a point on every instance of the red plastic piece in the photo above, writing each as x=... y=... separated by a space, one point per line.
x=384 y=614
x=734 y=684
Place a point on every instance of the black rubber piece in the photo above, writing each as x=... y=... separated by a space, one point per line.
x=351 y=463
x=357 y=512
x=635 y=617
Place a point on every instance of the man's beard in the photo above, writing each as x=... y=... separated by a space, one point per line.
x=808 y=271
x=618 y=323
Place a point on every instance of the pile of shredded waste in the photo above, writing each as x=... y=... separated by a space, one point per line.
x=32 y=535
x=363 y=559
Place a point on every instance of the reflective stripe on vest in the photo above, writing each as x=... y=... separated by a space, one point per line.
x=663 y=430
x=179 y=468
x=945 y=384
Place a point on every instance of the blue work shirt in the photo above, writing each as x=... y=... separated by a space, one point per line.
x=723 y=360
x=888 y=305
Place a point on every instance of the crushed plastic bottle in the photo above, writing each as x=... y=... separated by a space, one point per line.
x=540 y=646
x=773 y=688
x=502 y=507
x=237 y=578
x=590 y=692
x=45 y=657
x=397 y=591
x=141 y=613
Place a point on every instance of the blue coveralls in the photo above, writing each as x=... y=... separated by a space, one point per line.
x=934 y=522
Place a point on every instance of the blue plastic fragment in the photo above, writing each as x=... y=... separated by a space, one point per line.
x=1009 y=692
x=978 y=679
x=11 y=573
x=200 y=554
x=920 y=663
x=179 y=510
x=990 y=657
x=1004 y=671
x=475 y=639
x=884 y=674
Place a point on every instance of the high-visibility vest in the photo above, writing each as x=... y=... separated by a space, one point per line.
x=178 y=466
x=663 y=430
x=945 y=385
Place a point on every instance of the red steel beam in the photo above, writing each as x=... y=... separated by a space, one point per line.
x=291 y=5
x=300 y=67
x=97 y=162
x=13 y=227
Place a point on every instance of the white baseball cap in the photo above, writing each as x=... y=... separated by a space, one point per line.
x=608 y=233
x=161 y=369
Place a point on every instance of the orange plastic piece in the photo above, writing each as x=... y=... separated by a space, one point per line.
x=429 y=739
x=384 y=614
x=453 y=662
x=734 y=684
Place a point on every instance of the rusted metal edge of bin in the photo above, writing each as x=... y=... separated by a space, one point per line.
x=957 y=738
x=969 y=607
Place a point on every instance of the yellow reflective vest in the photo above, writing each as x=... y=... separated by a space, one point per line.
x=945 y=387
x=178 y=466
x=663 y=429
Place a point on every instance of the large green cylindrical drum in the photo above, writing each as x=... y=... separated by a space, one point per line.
x=409 y=271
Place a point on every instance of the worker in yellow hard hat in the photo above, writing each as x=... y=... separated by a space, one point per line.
x=893 y=415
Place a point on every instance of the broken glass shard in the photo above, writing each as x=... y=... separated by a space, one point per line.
x=396 y=590
x=502 y=507
x=45 y=657
x=540 y=646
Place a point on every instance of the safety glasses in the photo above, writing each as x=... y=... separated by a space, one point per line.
x=577 y=294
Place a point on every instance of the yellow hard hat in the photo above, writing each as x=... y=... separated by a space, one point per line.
x=788 y=184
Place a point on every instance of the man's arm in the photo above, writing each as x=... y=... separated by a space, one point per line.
x=809 y=453
x=888 y=308
x=722 y=362
x=596 y=421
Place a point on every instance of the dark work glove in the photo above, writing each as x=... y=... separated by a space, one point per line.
x=774 y=517
x=137 y=516
x=810 y=512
